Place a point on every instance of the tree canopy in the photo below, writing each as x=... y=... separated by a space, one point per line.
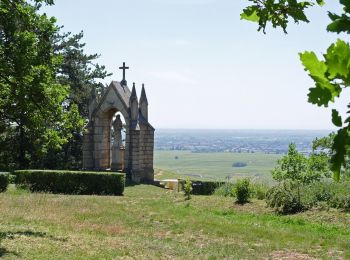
x=45 y=81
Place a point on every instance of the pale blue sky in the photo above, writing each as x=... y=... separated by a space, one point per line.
x=202 y=66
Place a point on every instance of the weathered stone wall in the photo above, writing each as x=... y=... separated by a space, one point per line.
x=146 y=153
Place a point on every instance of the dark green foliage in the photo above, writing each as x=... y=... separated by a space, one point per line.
x=341 y=202
x=242 y=191
x=12 y=178
x=202 y=187
x=4 y=181
x=205 y=187
x=70 y=182
x=30 y=97
x=277 y=12
x=284 y=199
x=333 y=194
x=45 y=83
x=188 y=189
x=80 y=72
x=340 y=23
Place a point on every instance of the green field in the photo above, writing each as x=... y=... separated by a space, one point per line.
x=152 y=223
x=214 y=166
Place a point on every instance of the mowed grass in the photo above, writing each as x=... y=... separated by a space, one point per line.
x=215 y=166
x=150 y=223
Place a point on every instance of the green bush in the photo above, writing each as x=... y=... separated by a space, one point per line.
x=340 y=202
x=70 y=182
x=259 y=190
x=242 y=191
x=4 y=181
x=283 y=198
x=327 y=193
x=188 y=189
x=225 y=190
x=318 y=194
x=205 y=187
x=12 y=178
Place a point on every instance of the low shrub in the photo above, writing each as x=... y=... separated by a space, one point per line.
x=317 y=194
x=259 y=190
x=327 y=193
x=323 y=194
x=4 y=181
x=242 y=191
x=71 y=182
x=225 y=190
x=205 y=187
x=188 y=189
x=340 y=202
x=12 y=178
x=283 y=198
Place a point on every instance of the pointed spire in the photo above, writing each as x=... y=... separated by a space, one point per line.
x=133 y=92
x=143 y=97
x=134 y=104
x=144 y=103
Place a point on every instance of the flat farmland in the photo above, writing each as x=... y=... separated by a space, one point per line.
x=214 y=166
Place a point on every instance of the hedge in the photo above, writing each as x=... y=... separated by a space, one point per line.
x=71 y=182
x=4 y=181
x=203 y=187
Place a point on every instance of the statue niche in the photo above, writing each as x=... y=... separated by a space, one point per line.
x=117 y=146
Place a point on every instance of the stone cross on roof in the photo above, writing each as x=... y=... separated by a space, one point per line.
x=123 y=82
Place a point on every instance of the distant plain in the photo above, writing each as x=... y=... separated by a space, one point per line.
x=210 y=154
x=214 y=166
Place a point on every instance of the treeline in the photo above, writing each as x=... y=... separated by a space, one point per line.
x=45 y=83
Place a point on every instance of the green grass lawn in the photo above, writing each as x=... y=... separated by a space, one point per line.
x=214 y=166
x=150 y=222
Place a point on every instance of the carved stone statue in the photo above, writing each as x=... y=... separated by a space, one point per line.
x=117 y=158
x=117 y=127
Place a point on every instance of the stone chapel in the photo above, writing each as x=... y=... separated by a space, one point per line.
x=118 y=136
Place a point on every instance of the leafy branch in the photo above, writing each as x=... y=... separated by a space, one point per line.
x=330 y=75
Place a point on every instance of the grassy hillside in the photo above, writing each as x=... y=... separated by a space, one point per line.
x=149 y=222
x=216 y=165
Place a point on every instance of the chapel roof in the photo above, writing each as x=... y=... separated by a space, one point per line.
x=123 y=91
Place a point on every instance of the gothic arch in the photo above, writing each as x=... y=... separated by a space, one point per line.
x=139 y=140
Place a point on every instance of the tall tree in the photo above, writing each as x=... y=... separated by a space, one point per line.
x=78 y=70
x=31 y=110
x=330 y=74
x=81 y=73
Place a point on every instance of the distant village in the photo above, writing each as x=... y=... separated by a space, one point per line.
x=235 y=142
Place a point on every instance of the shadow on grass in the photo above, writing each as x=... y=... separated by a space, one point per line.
x=4 y=252
x=29 y=233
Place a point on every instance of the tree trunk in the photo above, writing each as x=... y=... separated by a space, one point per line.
x=22 y=145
